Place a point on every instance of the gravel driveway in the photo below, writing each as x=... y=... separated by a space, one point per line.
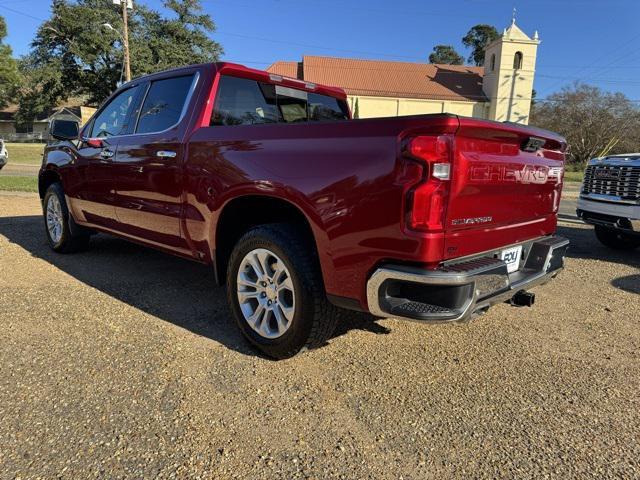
x=123 y=362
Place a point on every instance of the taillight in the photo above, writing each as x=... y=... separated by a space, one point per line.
x=426 y=197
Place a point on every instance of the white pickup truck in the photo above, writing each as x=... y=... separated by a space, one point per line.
x=610 y=199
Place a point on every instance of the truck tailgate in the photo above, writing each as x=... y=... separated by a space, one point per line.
x=505 y=186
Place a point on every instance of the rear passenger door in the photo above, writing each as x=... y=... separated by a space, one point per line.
x=148 y=165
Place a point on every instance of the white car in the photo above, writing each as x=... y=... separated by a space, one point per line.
x=610 y=199
x=4 y=155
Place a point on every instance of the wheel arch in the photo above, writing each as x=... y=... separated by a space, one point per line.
x=46 y=178
x=242 y=213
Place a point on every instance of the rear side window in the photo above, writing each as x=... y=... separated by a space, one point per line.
x=241 y=101
x=163 y=105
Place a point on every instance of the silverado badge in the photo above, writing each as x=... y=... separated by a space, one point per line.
x=471 y=221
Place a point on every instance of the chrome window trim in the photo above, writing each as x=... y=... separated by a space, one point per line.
x=185 y=106
x=183 y=113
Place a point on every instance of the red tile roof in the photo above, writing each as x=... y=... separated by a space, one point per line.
x=389 y=79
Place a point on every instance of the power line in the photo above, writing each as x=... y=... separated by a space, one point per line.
x=555 y=84
x=600 y=80
x=22 y=13
x=305 y=45
x=344 y=8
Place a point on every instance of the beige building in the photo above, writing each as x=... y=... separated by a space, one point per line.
x=501 y=90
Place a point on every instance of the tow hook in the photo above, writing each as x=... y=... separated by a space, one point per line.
x=523 y=299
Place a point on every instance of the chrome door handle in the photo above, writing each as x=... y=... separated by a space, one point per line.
x=106 y=154
x=166 y=154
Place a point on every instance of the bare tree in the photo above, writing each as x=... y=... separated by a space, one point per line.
x=594 y=122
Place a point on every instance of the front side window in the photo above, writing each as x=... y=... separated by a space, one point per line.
x=163 y=104
x=241 y=101
x=113 y=119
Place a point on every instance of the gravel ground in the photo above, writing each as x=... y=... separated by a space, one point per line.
x=123 y=362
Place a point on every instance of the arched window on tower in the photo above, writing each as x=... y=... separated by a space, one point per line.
x=517 y=61
x=493 y=62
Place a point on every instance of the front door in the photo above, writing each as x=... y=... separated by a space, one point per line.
x=148 y=165
x=95 y=203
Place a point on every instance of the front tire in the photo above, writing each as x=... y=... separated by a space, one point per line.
x=56 y=223
x=276 y=293
x=616 y=239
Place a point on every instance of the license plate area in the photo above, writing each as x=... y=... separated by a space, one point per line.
x=511 y=256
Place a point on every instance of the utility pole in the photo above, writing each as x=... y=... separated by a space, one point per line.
x=124 y=36
x=127 y=61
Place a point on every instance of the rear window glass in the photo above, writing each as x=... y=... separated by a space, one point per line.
x=163 y=104
x=241 y=101
x=322 y=107
x=292 y=104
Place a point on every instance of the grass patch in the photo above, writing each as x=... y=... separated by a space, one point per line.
x=19 y=184
x=573 y=176
x=25 y=153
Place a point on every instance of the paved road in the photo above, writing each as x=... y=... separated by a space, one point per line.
x=123 y=362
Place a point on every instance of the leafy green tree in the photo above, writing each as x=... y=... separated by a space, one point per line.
x=9 y=76
x=72 y=55
x=477 y=38
x=445 y=54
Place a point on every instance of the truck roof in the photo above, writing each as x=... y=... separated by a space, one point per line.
x=261 y=75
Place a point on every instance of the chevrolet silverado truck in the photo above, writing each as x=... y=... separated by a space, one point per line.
x=610 y=200
x=303 y=212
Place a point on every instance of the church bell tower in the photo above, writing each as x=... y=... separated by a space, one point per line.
x=509 y=68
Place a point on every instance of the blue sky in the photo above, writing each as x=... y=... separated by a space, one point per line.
x=596 y=41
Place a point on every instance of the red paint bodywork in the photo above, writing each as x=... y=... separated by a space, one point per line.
x=348 y=178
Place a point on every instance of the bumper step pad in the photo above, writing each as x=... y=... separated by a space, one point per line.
x=411 y=309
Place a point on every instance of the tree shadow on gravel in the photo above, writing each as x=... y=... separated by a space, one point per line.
x=171 y=288
x=630 y=283
x=584 y=244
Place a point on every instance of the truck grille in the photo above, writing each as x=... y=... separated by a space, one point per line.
x=614 y=180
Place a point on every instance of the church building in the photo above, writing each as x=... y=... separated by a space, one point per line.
x=500 y=90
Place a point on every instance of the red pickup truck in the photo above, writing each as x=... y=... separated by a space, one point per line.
x=303 y=212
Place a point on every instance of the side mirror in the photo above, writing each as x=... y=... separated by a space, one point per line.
x=64 y=129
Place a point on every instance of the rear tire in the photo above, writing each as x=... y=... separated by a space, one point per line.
x=616 y=239
x=276 y=293
x=56 y=223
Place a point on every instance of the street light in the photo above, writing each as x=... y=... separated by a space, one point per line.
x=125 y=66
x=108 y=26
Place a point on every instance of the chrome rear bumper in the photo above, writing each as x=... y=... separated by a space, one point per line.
x=454 y=292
